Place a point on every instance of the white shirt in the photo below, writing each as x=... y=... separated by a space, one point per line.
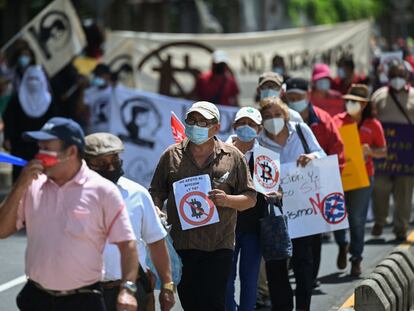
x=293 y=148
x=145 y=223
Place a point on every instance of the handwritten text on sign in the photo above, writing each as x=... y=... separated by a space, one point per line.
x=313 y=198
x=400 y=143
x=195 y=209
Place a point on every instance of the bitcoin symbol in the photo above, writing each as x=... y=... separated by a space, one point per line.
x=266 y=172
x=196 y=210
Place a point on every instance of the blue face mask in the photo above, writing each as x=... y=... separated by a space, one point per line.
x=323 y=84
x=196 y=134
x=24 y=61
x=269 y=93
x=341 y=73
x=246 y=133
x=98 y=82
x=279 y=70
x=299 y=105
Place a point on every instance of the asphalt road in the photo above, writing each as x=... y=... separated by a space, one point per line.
x=336 y=286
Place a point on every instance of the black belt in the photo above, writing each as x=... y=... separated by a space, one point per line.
x=90 y=289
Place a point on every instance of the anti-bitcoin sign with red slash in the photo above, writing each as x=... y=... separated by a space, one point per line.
x=266 y=175
x=194 y=207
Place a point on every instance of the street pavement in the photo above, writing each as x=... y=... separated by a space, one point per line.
x=336 y=286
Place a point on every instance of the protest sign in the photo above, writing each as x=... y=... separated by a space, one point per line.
x=354 y=174
x=194 y=207
x=313 y=198
x=143 y=121
x=266 y=171
x=400 y=145
x=170 y=63
x=55 y=35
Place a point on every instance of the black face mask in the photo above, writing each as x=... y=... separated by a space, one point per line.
x=113 y=175
x=219 y=68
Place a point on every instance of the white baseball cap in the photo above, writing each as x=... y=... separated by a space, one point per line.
x=220 y=56
x=206 y=109
x=249 y=112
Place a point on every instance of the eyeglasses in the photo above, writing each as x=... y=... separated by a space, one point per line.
x=105 y=166
x=201 y=123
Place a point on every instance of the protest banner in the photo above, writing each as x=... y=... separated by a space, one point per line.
x=55 y=35
x=143 y=121
x=354 y=174
x=400 y=145
x=194 y=207
x=266 y=170
x=313 y=198
x=170 y=63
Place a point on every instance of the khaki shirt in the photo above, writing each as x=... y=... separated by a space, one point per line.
x=176 y=163
x=388 y=110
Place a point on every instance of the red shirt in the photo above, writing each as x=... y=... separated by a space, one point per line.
x=327 y=134
x=218 y=89
x=370 y=132
x=332 y=103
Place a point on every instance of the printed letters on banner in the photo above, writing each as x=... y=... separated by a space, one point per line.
x=194 y=207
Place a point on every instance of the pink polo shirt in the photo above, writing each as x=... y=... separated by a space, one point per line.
x=67 y=228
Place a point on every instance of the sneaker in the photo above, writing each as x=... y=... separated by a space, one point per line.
x=356 y=268
x=376 y=230
x=342 y=258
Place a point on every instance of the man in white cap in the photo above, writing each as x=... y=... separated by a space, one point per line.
x=102 y=155
x=218 y=85
x=206 y=250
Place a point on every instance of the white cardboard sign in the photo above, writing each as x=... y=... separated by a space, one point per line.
x=194 y=207
x=266 y=172
x=313 y=197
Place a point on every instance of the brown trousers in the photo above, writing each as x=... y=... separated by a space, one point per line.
x=401 y=188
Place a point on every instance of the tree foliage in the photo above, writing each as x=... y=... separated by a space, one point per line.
x=333 y=11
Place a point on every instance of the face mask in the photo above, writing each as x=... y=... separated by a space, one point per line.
x=24 y=61
x=246 y=133
x=353 y=108
x=33 y=85
x=383 y=78
x=113 y=175
x=98 y=82
x=323 y=84
x=196 y=134
x=48 y=158
x=279 y=70
x=299 y=105
x=397 y=83
x=274 y=126
x=341 y=73
x=269 y=93
x=219 y=68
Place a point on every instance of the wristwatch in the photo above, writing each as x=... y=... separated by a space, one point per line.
x=129 y=286
x=169 y=286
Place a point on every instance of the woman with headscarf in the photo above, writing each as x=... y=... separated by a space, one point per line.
x=29 y=108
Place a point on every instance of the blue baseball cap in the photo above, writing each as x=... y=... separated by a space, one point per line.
x=60 y=128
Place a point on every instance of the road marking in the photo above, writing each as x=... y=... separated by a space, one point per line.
x=13 y=283
x=350 y=302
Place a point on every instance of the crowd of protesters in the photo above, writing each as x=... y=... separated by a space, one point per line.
x=75 y=184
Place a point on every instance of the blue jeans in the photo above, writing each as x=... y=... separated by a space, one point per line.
x=357 y=202
x=248 y=246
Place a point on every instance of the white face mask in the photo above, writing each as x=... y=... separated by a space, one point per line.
x=274 y=126
x=353 y=108
x=397 y=83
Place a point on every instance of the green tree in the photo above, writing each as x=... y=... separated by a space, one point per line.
x=334 y=11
